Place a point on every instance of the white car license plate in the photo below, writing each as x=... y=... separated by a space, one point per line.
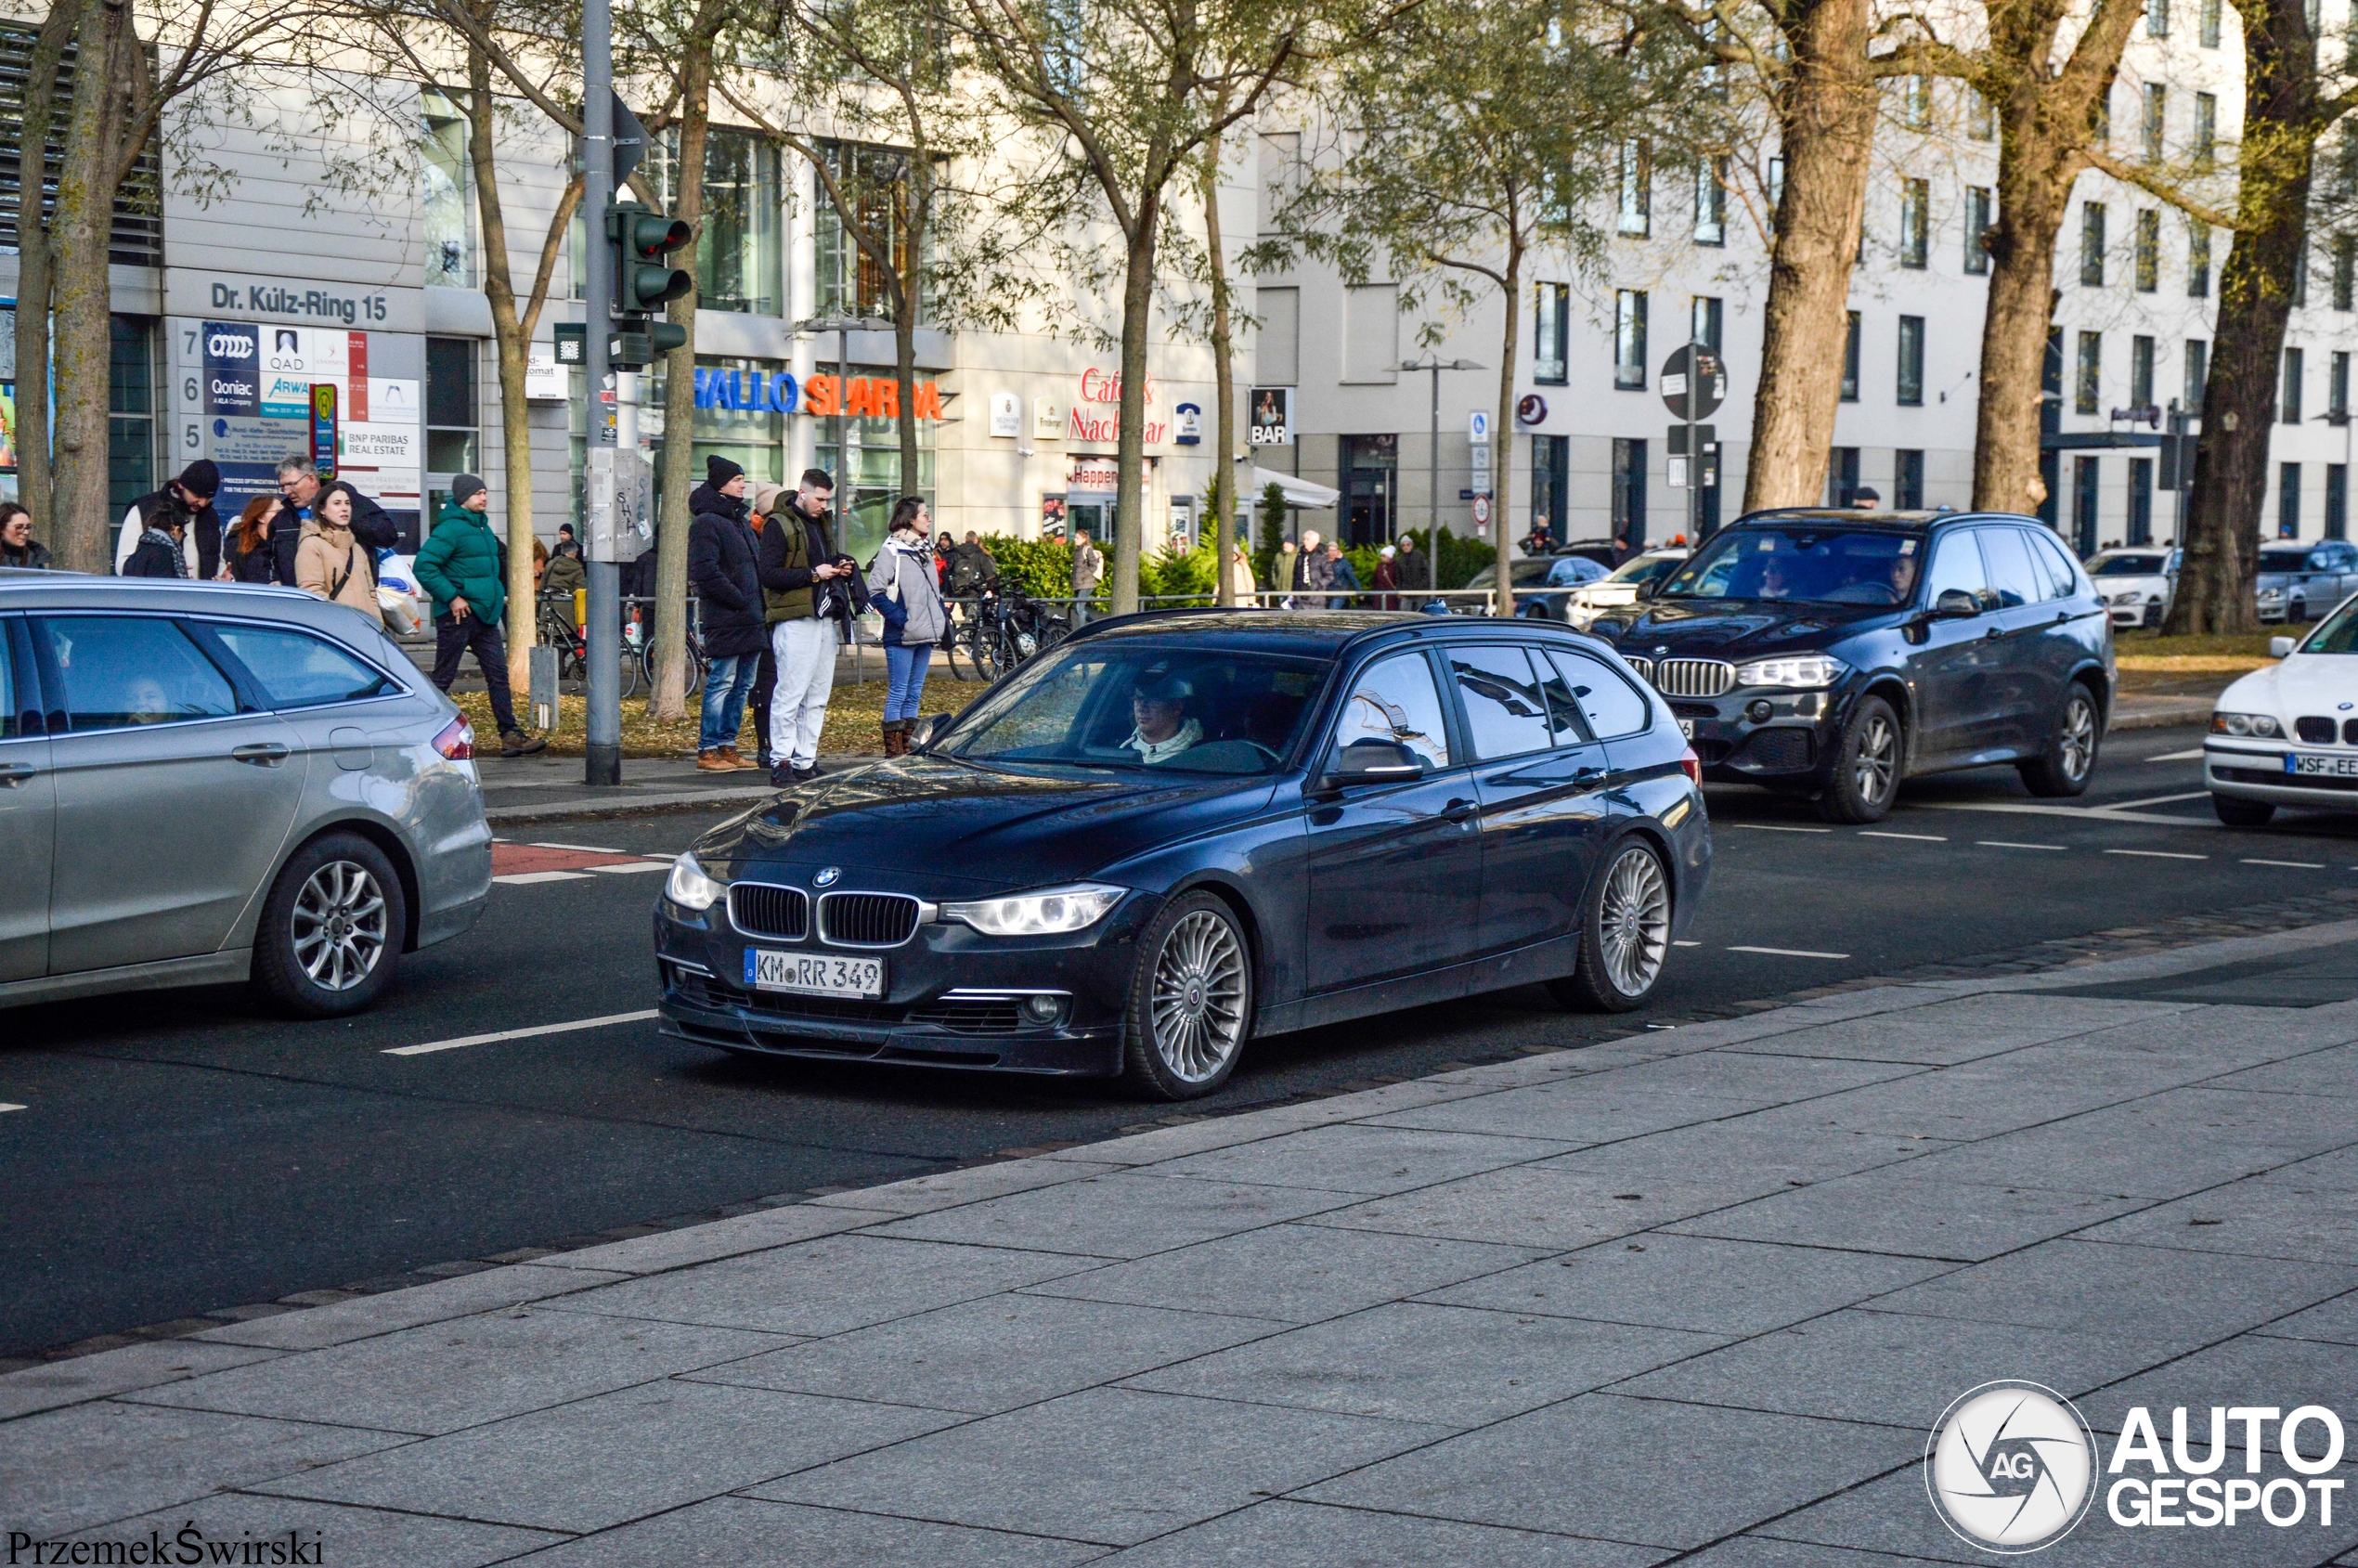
x=813 y=973
x=1686 y=728
x=2321 y=767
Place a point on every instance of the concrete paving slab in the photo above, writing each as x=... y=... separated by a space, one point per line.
x=367 y=1316
x=2262 y=1217
x=2247 y=1370
x=340 y=1535
x=722 y=1238
x=1762 y=1078
x=1762 y=1551
x=1351 y=1157
x=2334 y=1322
x=734 y=1532
x=618 y=1456
x=1902 y=1213
x=2332 y=1070
x=1111 y=1465
x=1124 y=1215
x=1784 y=1147
x=1285 y=1534
x=131 y=1367
x=2336 y=1171
x=923 y=1195
x=1580 y=1111
x=1538 y=1206
x=2211 y=1135
x=1695 y=1283
x=1449 y=1365
x=1943 y=1032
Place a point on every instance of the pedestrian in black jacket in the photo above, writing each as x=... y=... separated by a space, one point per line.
x=158 y=553
x=725 y=572
x=189 y=498
x=17 y=547
x=300 y=486
x=250 y=553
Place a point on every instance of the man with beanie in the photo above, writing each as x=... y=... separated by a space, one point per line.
x=810 y=588
x=185 y=507
x=462 y=566
x=726 y=573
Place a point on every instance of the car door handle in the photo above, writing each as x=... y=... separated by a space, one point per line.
x=1460 y=812
x=15 y=773
x=1994 y=633
x=263 y=753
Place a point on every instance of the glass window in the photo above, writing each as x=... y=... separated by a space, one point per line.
x=446 y=203
x=1551 y=333
x=2091 y=244
x=11 y=711
x=1981 y=120
x=1711 y=201
x=1912 y=361
x=1506 y=714
x=739 y=247
x=2148 y=250
x=1979 y=215
x=2007 y=555
x=1705 y=317
x=2141 y=371
x=2157 y=19
x=1610 y=703
x=122 y=670
x=2294 y=375
x=1636 y=189
x=2198 y=375
x=870 y=180
x=2209 y=31
x=1956 y=563
x=2085 y=396
x=2197 y=259
x=131 y=408
x=1908 y=479
x=296 y=670
x=1630 y=339
x=1396 y=700
x=1915 y=223
x=2157 y=102
x=1803 y=561
x=1850 y=361
x=870 y=457
x=2288 y=501
x=452 y=420
x=1186 y=710
x=2062 y=578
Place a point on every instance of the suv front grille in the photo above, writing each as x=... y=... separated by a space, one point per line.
x=1692 y=678
x=1645 y=667
x=867 y=919
x=762 y=908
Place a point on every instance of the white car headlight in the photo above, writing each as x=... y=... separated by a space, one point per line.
x=689 y=888
x=1052 y=911
x=1800 y=669
x=2262 y=724
x=2127 y=596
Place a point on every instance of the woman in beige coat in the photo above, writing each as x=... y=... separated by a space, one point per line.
x=331 y=562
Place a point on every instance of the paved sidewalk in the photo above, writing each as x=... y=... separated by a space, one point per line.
x=1695 y=1293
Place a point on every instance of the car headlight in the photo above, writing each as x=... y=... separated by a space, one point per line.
x=2244 y=724
x=1801 y=669
x=2272 y=593
x=1052 y=912
x=689 y=888
x=2126 y=597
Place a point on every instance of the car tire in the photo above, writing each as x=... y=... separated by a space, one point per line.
x=1190 y=1011
x=1624 y=934
x=1869 y=758
x=2236 y=811
x=2069 y=760
x=331 y=929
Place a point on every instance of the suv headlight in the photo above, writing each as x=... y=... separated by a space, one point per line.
x=1052 y=912
x=688 y=886
x=2260 y=725
x=1800 y=669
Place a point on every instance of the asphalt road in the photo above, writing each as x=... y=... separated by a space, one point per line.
x=170 y=1155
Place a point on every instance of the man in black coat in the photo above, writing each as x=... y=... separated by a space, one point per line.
x=724 y=569
x=189 y=498
x=300 y=484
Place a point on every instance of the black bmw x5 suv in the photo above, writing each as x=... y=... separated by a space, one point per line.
x=1832 y=654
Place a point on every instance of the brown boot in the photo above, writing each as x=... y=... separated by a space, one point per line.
x=730 y=755
x=713 y=762
x=892 y=747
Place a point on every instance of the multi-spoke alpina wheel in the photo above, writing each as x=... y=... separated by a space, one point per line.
x=1190 y=1000
x=1624 y=933
x=331 y=929
x=2069 y=760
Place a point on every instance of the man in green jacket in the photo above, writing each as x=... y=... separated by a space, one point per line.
x=462 y=566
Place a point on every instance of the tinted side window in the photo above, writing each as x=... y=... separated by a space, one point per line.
x=296 y=670
x=11 y=717
x=1565 y=721
x=1956 y=563
x=1506 y=716
x=123 y=670
x=1396 y=699
x=1611 y=706
x=2007 y=554
x=2062 y=578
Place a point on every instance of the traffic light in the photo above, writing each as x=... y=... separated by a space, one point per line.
x=645 y=281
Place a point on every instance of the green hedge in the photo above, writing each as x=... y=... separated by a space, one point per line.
x=1043 y=568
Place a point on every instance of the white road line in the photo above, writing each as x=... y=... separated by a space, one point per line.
x=1686 y=944
x=1779 y=827
x=1788 y=952
x=2158 y=854
x=434 y=1046
x=2079 y=813
x=585 y=848
x=1913 y=837
x=526 y=878
x=2193 y=756
x=2157 y=800
x=8 y=1107
x=630 y=867
x=2002 y=844
x=2295 y=865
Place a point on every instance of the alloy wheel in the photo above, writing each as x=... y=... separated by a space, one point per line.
x=339 y=926
x=2076 y=743
x=1876 y=764
x=1197 y=1004
x=1634 y=920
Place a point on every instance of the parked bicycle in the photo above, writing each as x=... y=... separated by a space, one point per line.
x=637 y=665
x=998 y=631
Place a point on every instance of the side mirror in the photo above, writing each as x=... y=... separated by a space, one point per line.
x=1955 y=604
x=2282 y=647
x=1371 y=761
x=1648 y=589
x=930 y=726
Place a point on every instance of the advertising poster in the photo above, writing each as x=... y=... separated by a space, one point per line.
x=259 y=405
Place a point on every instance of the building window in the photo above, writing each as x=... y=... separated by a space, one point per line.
x=869 y=456
x=1629 y=491
x=1850 y=362
x=1636 y=189
x=1711 y=201
x=2157 y=19
x=1842 y=476
x=1550 y=478
x=2141 y=501
x=1908 y=480
x=2345 y=270
x=2338 y=387
x=1981 y=122
x=1630 y=339
x=848 y=279
x=447 y=208
x=2156 y=111
x=2300 y=274
x=2197 y=376
x=131 y=410
x=1978 y=217
x=2288 y=501
x=1916 y=222
x=2087 y=398
x=2087 y=483
x=1551 y=335
x=453 y=417
x=2206 y=149
x=2197 y=259
x=2291 y=402
x=740 y=248
x=1916 y=102
x=2140 y=372
x=1912 y=361
x=2148 y=250
x=2337 y=501
x=1702 y=321
x=1370 y=487
x=2091 y=244
x=2209 y=34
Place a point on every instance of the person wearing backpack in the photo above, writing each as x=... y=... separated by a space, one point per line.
x=463 y=566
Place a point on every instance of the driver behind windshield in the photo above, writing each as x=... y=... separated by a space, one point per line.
x=1157 y=706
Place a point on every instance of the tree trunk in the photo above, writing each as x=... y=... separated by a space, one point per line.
x=910 y=299
x=669 y=699
x=1502 y=451
x=2281 y=125
x=1224 y=374
x=513 y=347
x=34 y=273
x=82 y=352
x=1130 y=460
x=1826 y=117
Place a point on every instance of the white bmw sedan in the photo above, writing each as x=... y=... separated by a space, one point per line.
x=2287 y=735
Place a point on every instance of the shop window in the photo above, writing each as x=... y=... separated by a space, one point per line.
x=1370 y=488
x=863 y=449
x=1842 y=475
x=446 y=201
x=740 y=249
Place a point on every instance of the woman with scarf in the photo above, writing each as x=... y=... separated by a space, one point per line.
x=902 y=587
x=158 y=553
x=331 y=564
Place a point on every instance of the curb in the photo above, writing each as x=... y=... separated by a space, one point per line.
x=2162 y=717
x=625 y=805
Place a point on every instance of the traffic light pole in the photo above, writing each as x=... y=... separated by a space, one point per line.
x=602 y=757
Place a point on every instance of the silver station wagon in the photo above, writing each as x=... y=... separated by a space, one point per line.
x=201 y=783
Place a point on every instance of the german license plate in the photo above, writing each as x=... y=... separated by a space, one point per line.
x=1686 y=728
x=813 y=973
x=2321 y=767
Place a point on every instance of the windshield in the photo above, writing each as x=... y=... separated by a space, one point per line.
x=1647 y=568
x=2125 y=566
x=1812 y=562
x=2284 y=560
x=2338 y=634
x=1186 y=708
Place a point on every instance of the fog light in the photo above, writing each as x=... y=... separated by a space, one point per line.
x=1043 y=1009
x=1759 y=711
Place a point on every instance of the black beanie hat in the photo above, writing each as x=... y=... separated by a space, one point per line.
x=201 y=478
x=719 y=471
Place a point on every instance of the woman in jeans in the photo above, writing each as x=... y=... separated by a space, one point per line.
x=902 y=587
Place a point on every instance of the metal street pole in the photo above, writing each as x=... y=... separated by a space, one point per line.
x=1694 y=448
x=602 y=760
x=1435 y=365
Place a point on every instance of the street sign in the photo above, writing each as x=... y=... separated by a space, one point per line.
x=1694 y=381
x=1707 y=436
x=323 y=429
x=572 y=343
x=1482 y=511
x=1478 y=427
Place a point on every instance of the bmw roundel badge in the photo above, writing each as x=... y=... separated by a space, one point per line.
x=827 y=878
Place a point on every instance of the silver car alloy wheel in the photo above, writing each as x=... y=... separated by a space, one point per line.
x=1634 y=918
x=339 y=925
x=2077 y=741
x=1872 y=771
x=1197 y=1003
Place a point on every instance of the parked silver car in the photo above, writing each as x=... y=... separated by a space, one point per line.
x=2300 y=582
x=201 y=783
